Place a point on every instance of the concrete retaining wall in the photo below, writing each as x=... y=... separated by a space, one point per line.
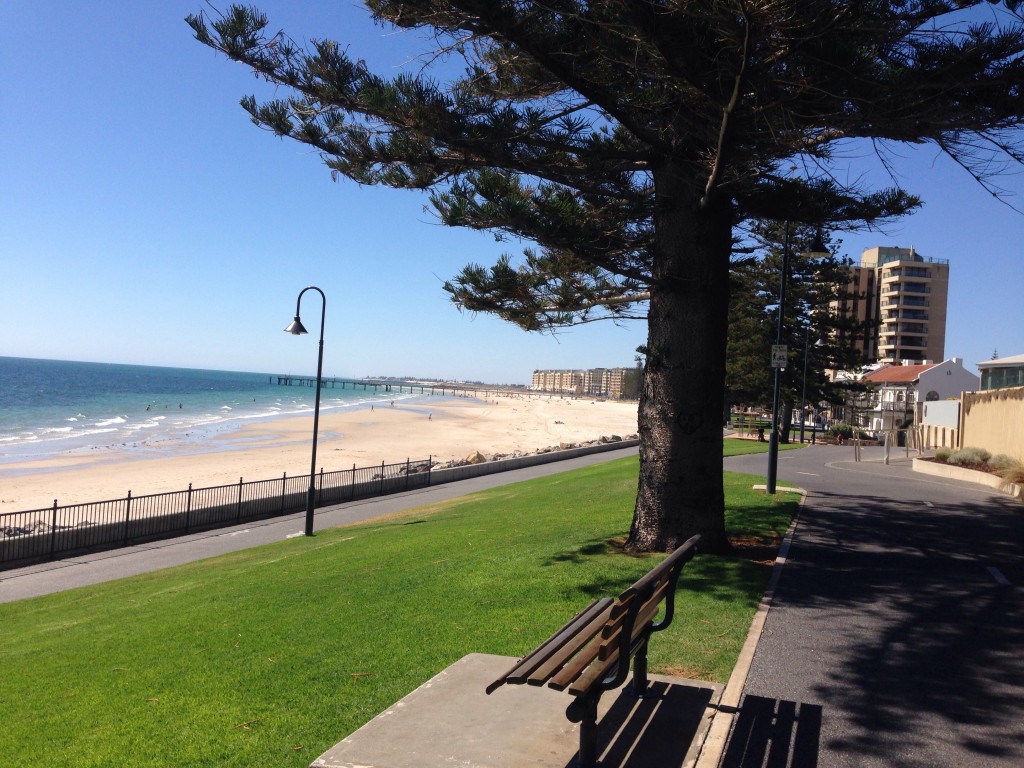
x=451 y=474
x=968 y=475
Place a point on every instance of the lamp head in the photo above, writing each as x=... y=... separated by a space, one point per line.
x=818 y=248
x=296 y=328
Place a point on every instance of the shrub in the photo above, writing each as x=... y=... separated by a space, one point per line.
x=969 y=456
x=943 y=454
x=1001 y=461
x=1009 y=469
x=840 y=428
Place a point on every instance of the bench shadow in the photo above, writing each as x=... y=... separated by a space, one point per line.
x=774 y=733
x=655 y=730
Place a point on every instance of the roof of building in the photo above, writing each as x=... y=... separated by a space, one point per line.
x=1001 y=361
x=898 y=374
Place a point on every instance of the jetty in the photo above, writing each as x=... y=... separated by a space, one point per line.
x=413 y=387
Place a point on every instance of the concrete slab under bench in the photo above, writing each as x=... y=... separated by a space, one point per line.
x=450 y=721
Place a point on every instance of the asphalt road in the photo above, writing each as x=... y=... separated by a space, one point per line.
x=896 y=635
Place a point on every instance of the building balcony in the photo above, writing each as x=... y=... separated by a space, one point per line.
x=905 y=300
x=911 y=342
x=900 y=289
x=907 y=350
x=902 y=273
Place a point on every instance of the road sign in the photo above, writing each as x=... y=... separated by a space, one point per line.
x=779 y=354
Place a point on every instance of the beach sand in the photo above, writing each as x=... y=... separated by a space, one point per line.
x=445 y=429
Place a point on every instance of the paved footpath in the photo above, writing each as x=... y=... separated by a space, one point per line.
x=896 y=634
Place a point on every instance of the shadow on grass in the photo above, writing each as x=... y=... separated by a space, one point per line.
x=580 y=554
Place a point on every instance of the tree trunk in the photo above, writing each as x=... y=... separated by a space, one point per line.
x=785 y=419
x=681 y=403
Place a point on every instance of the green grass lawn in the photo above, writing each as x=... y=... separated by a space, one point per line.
x=734 y=446
x=268 y=656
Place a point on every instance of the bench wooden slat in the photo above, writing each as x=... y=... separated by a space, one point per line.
x=525 y=666
x=593 y=675
x=577 y=645
x=574 y=666
x=620 y=611
x=684 y=553
x=616 y=622
x=610 y=644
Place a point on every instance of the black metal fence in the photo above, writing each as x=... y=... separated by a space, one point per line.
x=62 y=531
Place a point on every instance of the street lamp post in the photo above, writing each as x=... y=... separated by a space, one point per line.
x=819 y=250
x=296 y=328
x=803 y=387
x=773 y=437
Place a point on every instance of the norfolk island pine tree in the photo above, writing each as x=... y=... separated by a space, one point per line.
x=633 y=142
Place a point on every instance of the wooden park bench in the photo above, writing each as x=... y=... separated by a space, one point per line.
x=591 y=654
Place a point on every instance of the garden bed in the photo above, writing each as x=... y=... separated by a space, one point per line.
x=976 y=474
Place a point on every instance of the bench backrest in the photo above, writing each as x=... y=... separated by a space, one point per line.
x=595 y=647
x=632 y=616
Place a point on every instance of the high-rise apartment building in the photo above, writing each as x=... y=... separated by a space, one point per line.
x=899 y=298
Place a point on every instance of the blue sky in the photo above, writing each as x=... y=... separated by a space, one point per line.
x=144 y=219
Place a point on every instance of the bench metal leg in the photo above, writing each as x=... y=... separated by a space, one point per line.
x=584 y=711
x=640 y=671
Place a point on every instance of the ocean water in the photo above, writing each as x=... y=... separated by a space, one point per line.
x=49 y=407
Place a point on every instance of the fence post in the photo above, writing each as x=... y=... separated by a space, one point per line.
x=407 y=473
x=238 y=512
x=284 y=487
x=430 y=467
x=320 y=488
x=188 y=508
x=353 y=484
x=381 y=492
x=127 y=516
x=53 y=532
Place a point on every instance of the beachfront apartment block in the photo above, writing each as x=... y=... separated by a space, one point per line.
x=899 y=299
x=597 y=382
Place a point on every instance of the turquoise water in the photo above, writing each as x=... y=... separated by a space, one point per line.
x=54 y=406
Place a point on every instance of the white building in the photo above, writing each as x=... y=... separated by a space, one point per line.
x=899 y=392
